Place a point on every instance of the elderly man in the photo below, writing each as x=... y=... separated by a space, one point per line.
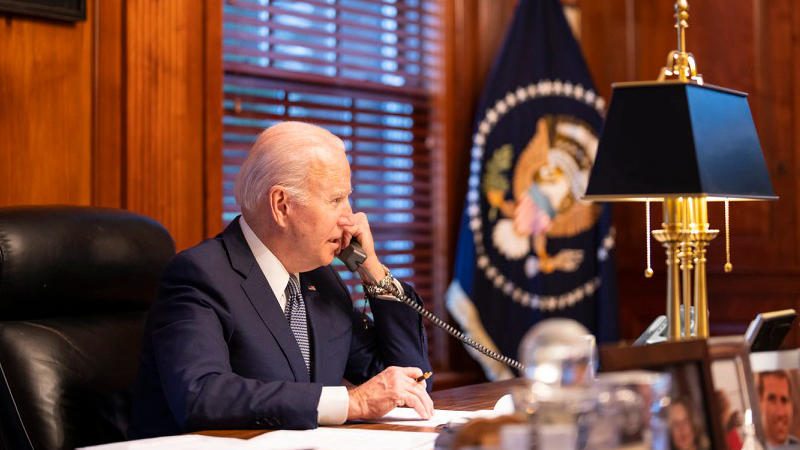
x=255 y=329
x=775 y=400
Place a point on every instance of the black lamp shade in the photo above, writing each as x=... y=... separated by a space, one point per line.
x=668 y=139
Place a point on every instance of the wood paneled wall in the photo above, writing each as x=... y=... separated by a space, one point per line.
x=111 y=111
x=46 y=71
x=164 y=114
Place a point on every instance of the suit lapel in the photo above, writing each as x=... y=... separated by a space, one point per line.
x=260 y=294
x=319 y=321
x=317 y=332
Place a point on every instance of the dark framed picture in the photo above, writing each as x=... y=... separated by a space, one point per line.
x=692 y=411
x=735 y=392
x=71 y=10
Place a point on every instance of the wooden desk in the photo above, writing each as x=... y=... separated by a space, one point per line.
x=467 y=398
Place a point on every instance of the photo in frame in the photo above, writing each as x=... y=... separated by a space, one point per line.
x=692 y=412
x=70 y=10
x=777 y=383
x=735 y=392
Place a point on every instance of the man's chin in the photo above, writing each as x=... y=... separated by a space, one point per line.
x=328 y=260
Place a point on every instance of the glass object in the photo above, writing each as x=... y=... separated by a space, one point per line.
x=559 y=353
x=635 y=405
x=560 y=399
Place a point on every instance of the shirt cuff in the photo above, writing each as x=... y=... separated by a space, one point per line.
x=333 y=405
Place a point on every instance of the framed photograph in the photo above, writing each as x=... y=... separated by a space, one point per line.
x=777 y=383
x=692 y=411
x=767 y=331
x=735 y=392
x=71 y=10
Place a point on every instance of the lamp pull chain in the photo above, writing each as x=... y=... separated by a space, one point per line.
x=649 y=271
x=728 y=265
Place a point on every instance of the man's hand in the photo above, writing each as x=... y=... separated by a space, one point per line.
x=356 y=227
x=395 y=386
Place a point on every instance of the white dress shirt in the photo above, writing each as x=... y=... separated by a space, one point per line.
x=334 y=401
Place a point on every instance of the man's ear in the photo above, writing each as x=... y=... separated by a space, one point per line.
x=278 y=204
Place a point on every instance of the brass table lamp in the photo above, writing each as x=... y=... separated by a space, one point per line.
x=684 y=143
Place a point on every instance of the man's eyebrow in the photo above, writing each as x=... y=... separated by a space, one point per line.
x=341 y=193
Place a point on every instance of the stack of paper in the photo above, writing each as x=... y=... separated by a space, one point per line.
x=409 y=417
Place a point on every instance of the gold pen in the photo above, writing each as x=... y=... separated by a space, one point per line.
x=424 y=376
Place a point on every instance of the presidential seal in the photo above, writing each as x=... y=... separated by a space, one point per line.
x=520 y=198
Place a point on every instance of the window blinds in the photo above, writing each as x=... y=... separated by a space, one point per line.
x=363 y=70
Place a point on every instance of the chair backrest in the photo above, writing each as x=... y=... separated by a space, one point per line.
x=75 y=285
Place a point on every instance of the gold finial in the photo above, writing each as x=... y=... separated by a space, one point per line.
x=682 y=15
x=681 y=64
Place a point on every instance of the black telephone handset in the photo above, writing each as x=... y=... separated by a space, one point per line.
x=353 y=256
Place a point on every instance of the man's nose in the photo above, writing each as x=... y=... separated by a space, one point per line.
x=346 y=216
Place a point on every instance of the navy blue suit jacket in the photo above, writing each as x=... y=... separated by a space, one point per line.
x=218 y=352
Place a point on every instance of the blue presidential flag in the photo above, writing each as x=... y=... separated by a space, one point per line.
x=529 y=246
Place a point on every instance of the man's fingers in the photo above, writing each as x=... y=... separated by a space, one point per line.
x=351 y=232
x=413 y=372
x=346 y=237
x=423 y=396
x=396 y=386
x=411 y=399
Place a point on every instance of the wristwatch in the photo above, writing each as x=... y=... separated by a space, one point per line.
x=375 y=290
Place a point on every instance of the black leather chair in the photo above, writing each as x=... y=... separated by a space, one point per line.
x=75 y=285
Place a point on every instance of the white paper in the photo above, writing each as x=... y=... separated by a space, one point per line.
x=342 y=439
x=188 y=442
x=409 y=417
x=505 y=405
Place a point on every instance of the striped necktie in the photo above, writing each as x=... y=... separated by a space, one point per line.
x=296 y=315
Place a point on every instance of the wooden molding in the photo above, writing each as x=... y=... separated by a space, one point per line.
x=108 y=105
x=212 y=36
x=164 y=120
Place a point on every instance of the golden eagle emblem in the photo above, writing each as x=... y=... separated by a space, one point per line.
x=549 y=179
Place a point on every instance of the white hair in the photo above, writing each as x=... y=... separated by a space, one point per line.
x=283 y=154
